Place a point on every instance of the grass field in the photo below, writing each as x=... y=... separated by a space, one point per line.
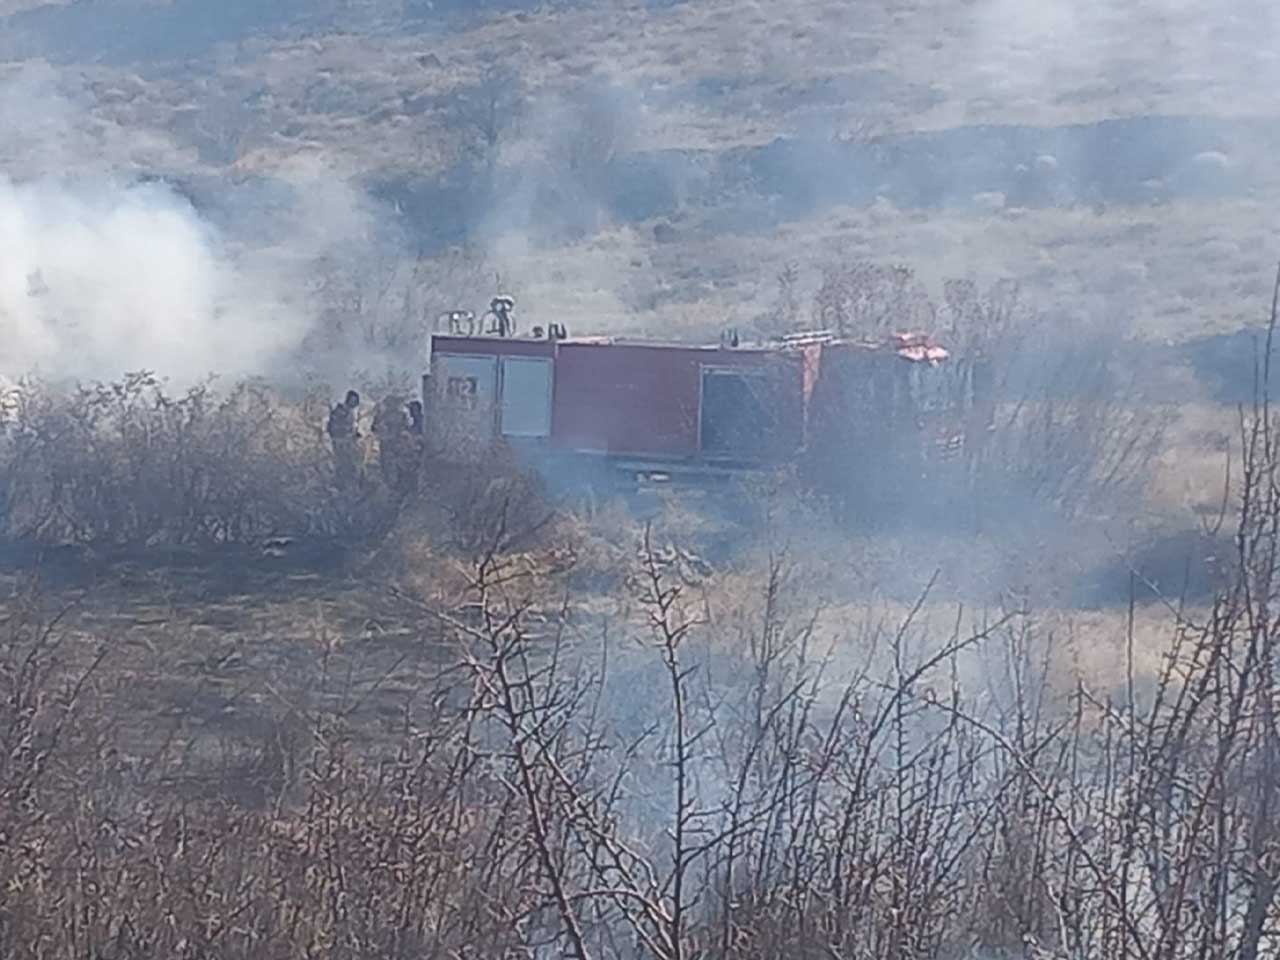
x=209 y=657
x=373 y=91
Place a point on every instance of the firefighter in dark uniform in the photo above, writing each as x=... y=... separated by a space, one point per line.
x=391 y=424
x=345 y=439
x=415 y=448
x=504 y=324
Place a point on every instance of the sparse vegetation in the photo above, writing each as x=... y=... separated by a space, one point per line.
x=934 y=707
x=128 y=464
x=707 y=766
x=1048 y=422
x=695 y=760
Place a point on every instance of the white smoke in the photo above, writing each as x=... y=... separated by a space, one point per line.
x=1121 y=57
x=101 y=275
x=100 y=278
x=51 y=127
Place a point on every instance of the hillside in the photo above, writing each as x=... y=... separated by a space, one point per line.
x=983 y=671
x=565 y=121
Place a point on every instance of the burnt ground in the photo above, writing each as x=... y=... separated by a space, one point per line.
x=215 y=659
x=208 y=656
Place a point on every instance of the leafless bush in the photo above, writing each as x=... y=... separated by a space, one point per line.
x=1047 y=417
x=865 y=299
x=687 y=774
x=377 y=312
x=600 y=122
x=688 y=771
x=492 y=503
x=714 y=826
x=403 y=856
x=1050 y=415
x=784 y=315
x=576 y=140
x=484 y=113
x=129 y=464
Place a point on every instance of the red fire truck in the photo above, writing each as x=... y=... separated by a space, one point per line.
x=672 y=411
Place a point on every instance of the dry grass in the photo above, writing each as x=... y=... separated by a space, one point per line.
x=312 y=694
x=339 y=793
x=216 y=650
x=369 y=96
x=1166 y=272
x=604 y=729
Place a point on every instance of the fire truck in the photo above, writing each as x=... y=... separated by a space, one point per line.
x=604 y=407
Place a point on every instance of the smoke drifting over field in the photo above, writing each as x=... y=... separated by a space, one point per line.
x=1039 y=51
x=102 y=273
x=99 y=278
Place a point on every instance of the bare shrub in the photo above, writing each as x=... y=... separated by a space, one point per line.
x=601 y=126
x=377 y=312
x=403 y=856
x=1052 y=410
x=577 y=140
x=714 y=826
x=483 y=114
x=864 y=299
x=129 y=464
x=1045 y=417
x=784 y=314
x=778 y=800
x=695 y=771
x=709 y=764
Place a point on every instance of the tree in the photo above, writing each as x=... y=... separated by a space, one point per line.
x=483 y=113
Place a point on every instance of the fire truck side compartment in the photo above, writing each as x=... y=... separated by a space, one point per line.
x=482 y=387
x=667 y=402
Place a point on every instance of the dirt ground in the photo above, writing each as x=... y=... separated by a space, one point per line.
x=207 y=659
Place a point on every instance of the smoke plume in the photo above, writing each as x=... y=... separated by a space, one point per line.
x=103 y=273
x=98 y=278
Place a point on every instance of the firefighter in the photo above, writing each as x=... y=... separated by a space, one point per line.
x=391 y=424
x=504 y=324
x=415 y=448
x=345 y=437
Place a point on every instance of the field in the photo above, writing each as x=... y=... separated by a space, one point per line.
x=247 y=713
